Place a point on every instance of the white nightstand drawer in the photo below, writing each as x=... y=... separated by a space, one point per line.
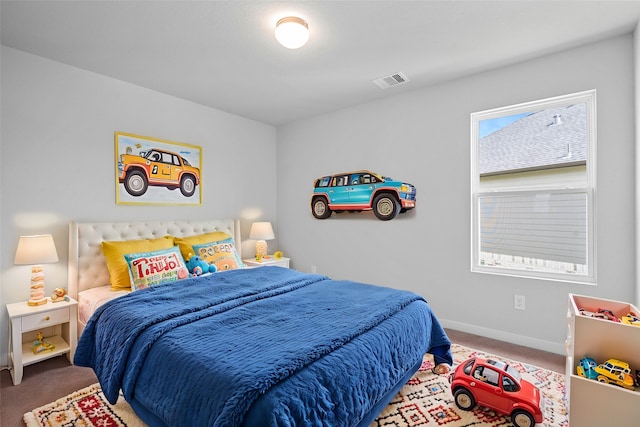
x=42 y=320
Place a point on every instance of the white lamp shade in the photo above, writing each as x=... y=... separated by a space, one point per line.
x=292 y=32
x=261 y=231
x=38 y=249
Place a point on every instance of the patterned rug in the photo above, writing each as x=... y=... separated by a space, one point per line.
x=424 y=401
x=84 y=408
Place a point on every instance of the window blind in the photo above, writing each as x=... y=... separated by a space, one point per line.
x=548 y=226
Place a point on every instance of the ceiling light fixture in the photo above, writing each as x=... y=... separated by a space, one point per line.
x=292 y=32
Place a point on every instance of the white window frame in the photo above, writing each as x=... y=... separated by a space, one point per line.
x=586 y=185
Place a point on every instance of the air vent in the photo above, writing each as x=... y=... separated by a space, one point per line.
x=391 y=80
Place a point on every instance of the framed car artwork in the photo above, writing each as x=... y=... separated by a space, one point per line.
x=157 y=172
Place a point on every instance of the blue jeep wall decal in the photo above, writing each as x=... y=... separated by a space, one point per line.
x=361 y=191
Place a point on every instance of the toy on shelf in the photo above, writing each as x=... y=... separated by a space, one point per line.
x=497 y=385
x=601 y=313
x=586 y=368
x=197 y=266
x=587 y=313
x=278 y=255
x=617 y=372
x=41 y=344
x=59 y=294
x=609 y=314
x=631 y=319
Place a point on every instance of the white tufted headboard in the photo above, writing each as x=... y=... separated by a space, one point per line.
x=87 y=267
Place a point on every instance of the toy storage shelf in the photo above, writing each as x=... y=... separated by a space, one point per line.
x=590 y=402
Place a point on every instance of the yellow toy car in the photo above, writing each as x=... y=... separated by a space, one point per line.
x=631 y=319
x=615 y=371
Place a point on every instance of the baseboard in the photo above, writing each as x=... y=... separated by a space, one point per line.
x=551 y=347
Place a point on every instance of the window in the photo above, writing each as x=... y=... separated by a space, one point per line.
x=468 y=366
x=488 y=375
x=340 y=181
x=533 y=189
x=509 y=385
x=323 y=182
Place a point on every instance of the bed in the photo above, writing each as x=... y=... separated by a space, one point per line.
x=265 y=346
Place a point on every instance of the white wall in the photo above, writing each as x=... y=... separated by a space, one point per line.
x=57 y=160
x=423 y=138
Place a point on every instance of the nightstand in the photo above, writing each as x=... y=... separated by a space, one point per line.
x=57 y=321
x=280 y=262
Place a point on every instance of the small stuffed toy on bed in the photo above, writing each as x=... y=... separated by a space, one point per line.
x=197 y=266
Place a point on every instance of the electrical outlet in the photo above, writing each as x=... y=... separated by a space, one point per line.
x=314 y=269
x=518 y=302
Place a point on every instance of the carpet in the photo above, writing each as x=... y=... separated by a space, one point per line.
x=424 y=401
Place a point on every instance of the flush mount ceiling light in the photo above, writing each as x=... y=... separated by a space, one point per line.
x=292 y=32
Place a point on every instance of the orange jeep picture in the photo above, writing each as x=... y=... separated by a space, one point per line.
x=159 y=168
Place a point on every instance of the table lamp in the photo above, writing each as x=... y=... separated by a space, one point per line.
x=36 y=250
x=261 y=231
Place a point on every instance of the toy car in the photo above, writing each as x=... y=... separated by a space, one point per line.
x=609 y=314
x=615 y=371
x=588 y=313
x=586 y=368
x=630 y=319
x=496 y=385
x=361 y=191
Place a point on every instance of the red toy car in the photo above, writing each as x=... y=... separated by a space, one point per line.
x=610 y=316
x=496 y=385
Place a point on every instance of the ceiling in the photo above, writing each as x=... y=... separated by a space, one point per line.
x=223 y=54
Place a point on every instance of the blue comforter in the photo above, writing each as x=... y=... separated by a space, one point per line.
x=251 y=344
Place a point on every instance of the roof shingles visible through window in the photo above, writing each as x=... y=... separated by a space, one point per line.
x=553 y=137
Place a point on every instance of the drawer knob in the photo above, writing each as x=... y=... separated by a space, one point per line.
x=47 y=318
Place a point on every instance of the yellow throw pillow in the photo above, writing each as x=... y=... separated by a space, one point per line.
x=223 y=254
x=186 y=244
x=114 y=252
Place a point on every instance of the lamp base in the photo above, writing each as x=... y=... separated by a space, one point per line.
x=37 y=302
x=36 y=292
x=261 y=248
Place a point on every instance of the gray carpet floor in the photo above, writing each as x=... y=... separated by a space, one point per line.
x=54 y=378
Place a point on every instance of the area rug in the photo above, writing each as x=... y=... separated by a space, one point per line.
x=425 y=400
